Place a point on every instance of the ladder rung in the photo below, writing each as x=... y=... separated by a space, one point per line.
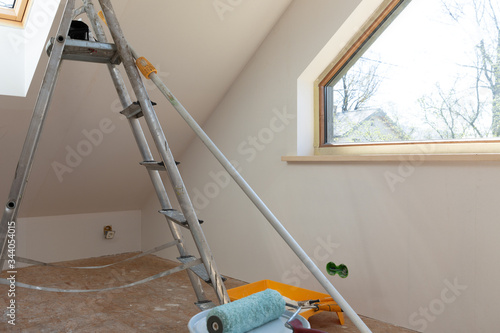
x=205 y=305
x=177 y=217
x=83 y=50
x=199 y=269
x=154 y=165
x=134 y=110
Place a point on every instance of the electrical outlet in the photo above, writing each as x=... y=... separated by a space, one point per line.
x=109 y=232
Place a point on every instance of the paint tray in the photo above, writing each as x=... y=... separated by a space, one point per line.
x=291 y=292
x=198 y=324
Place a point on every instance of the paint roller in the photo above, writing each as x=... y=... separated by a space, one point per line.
x=251 y=312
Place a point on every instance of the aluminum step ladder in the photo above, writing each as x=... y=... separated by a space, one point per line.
x=62 y=48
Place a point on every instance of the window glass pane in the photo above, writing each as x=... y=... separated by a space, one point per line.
x=7 y=3
x=433 y=74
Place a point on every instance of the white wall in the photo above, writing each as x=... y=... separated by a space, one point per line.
x=69 y=237
x=422 y=253
x=14 y=56
x=22 y=47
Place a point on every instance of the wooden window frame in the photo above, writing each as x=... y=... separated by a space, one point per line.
x=366 y=37
x=16 y=16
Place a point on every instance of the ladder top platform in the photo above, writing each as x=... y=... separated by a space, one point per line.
x=82 y=50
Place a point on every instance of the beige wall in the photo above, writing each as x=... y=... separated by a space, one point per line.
x=422 y=252
x=68 y=237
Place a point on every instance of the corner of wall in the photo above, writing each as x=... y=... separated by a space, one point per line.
x=78 y=236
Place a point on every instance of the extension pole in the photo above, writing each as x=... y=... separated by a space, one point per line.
x=316 y=272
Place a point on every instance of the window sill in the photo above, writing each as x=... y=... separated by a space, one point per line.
x=393 y=157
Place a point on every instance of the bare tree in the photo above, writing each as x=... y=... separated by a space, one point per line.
x=354 y=117
x=357 y=86
x=450 y=113
x=454 y=114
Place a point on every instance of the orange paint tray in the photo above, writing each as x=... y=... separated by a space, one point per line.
x=291 y=292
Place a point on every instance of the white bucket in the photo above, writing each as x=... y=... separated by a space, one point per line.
x=198 y=324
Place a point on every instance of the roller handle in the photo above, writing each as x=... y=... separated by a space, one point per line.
x=298 y=328
x=321 y=300
x=329 y=307
x=306 y=330
x=314 y=301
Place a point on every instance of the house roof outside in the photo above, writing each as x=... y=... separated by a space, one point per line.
x=366 y=125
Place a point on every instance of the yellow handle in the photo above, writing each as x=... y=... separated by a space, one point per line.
x=145 y=67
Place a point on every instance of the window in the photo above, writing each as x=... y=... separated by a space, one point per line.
x=13 y=12
x=7 y=4
x=425 y=71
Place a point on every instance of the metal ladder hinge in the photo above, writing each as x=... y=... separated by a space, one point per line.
x=83 y=50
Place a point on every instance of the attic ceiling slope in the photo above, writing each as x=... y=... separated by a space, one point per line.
x=198 y=48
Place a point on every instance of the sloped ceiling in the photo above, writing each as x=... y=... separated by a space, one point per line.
x=199 y=48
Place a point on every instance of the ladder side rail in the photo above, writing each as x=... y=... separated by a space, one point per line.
x=144 y=148
x=266 y=212
x=163 y=198
x=26 y=158
x=166 y=154
x=160 y=191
